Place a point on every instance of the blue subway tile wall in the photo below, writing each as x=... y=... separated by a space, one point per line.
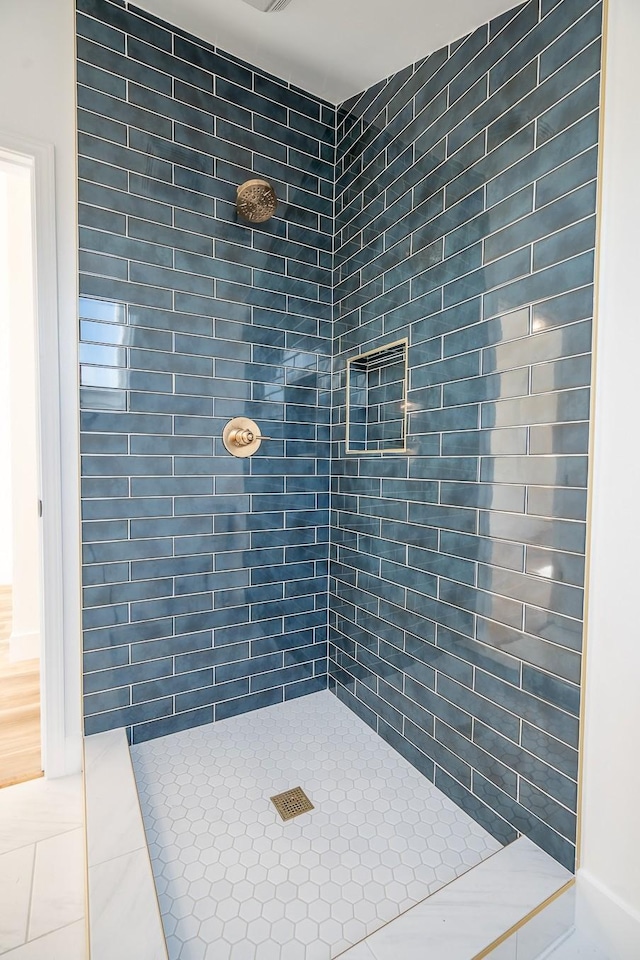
x=205 y=576
x=465 y=221
x=458 y=212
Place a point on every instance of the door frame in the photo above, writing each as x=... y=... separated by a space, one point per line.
x=39 y=159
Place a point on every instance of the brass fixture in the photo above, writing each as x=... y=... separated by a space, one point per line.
x=242 y=437
x=257 y=201
x=292 y=803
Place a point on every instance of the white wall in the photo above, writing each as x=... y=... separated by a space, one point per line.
x=18 y=317
x=38 y=102
x=6 y=526
x=334 y=48
x=610 y=848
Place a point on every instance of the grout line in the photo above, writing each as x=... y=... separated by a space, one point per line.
x=42 y=936
x=31 y=889
x=70 y=829
x=119 y=856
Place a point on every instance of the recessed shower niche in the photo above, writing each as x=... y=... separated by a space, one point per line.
x=377 y=400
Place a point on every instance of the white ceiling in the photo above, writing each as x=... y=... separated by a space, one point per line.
x=333 y=48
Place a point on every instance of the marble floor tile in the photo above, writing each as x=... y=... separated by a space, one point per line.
x=468 y=915
x=579 y=947
x=38 y=809
x=124 y=910
x=69 y=943
x=506 y=951
x=548 y=927
x=16 y=873
x=113 y=810
x=58 y=896
x=42 y=870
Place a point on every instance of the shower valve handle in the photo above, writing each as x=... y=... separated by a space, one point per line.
x=242 y=437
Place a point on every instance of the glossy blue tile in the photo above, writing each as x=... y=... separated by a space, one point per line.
x=465 y=183
x=101 y=703
x=533 y=164
x=243 y=704
x=122 y=66
x=582 y=169
x=303 y=688
x=581 y=102
x=203 y=82
x=126 y=21
x=554 y=501
x=566 y=210
x=567 y=243
x=532 y=769
x=550 y=751
x=564 y=308
x=554 y=627
x=161 y=728
x=517 y=457
x=526 y=822
x=549 y=94
x=100 y=32
x=552 y=689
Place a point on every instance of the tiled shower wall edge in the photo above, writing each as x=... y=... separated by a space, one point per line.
x=205 y=576
x=465 y=220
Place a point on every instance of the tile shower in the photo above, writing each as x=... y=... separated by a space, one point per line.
x=465 y=221
x=205 y=575
x=437 y=592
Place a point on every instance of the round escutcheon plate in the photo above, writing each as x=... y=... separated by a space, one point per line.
x=242 y=437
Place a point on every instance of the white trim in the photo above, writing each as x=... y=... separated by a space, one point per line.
x=606 y=920
x=623 y=906
x=38 y=157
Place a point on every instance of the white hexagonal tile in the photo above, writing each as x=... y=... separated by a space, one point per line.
x=283 y=931
x=235 y=931
x=211 y=929
x=235 y=883
x=306 y=931
x=187 y=928
x=296 y=910
x=227 y=911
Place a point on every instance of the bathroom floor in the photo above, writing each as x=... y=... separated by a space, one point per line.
x=42 y=871
x=236 y=882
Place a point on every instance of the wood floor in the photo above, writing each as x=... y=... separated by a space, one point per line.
x=19 y=708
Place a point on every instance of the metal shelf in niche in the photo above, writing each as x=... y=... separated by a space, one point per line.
x=377 y=400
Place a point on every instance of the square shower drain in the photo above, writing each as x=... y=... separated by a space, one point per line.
x=292 y=803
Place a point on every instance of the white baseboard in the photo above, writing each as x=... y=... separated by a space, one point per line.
x=610 y=923
x=24 y=646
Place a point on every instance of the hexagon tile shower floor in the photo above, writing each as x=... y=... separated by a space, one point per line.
x=235 y=882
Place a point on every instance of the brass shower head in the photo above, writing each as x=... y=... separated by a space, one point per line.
x=257 y=201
